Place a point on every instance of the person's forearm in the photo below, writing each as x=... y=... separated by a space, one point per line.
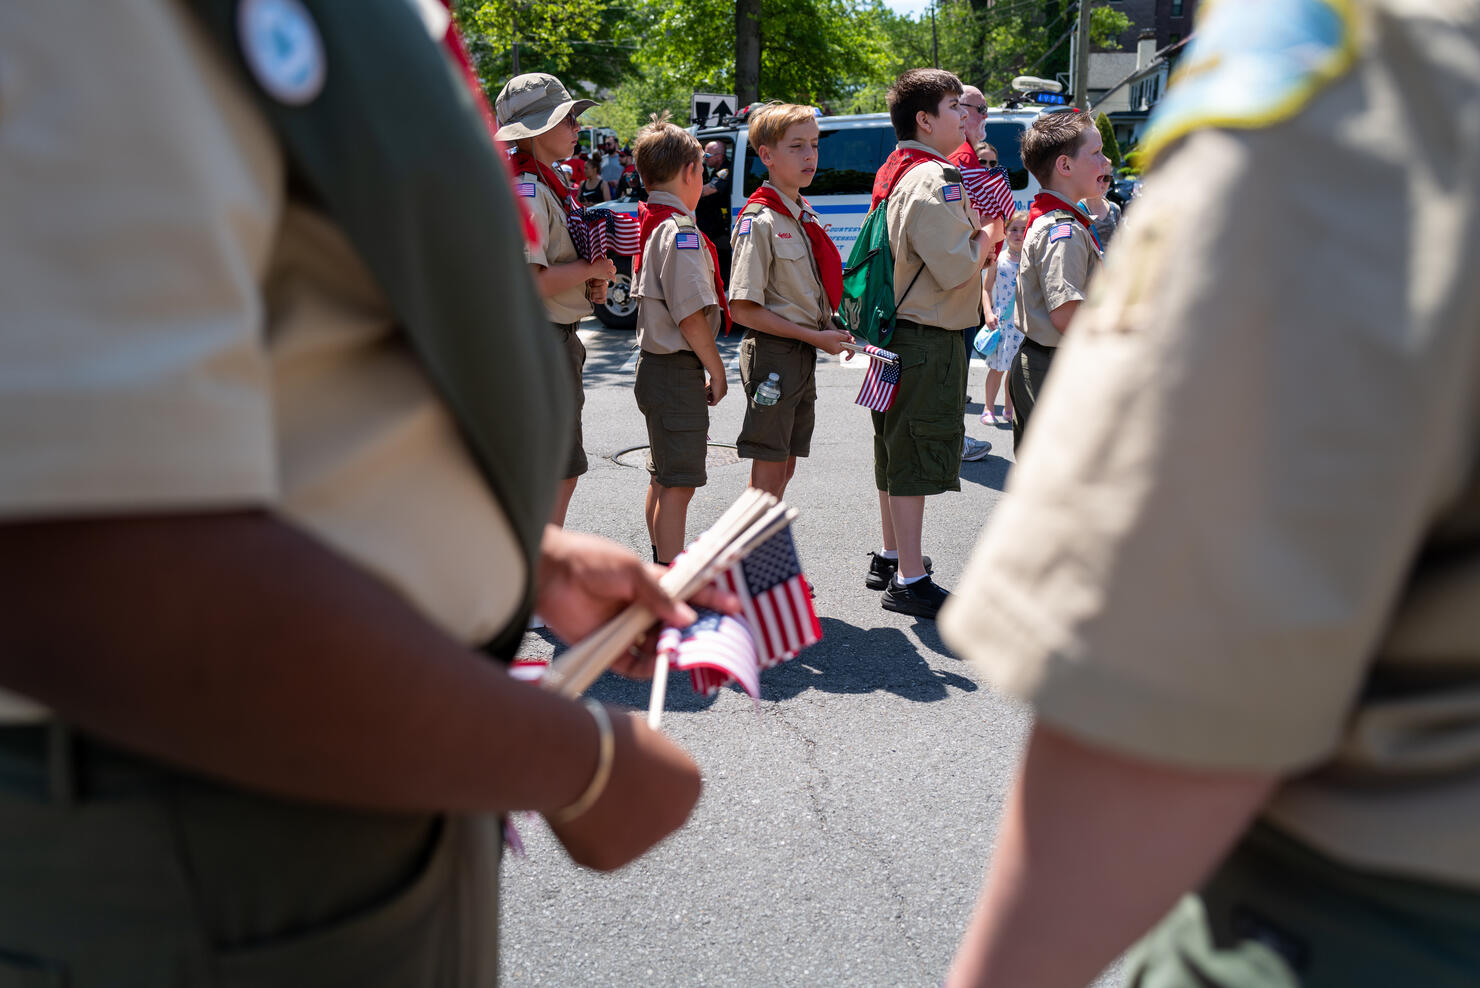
x=236 y=645
x=760 y=318
x=560 y=278
x=1092 y=850
x=699 y=336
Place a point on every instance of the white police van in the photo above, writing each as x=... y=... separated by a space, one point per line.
x=851 y=150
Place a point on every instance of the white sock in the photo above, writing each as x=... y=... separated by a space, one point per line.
x=888 y=554
x=904 y=581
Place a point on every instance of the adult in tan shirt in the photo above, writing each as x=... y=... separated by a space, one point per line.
x=1243 y=607
x=246 y=558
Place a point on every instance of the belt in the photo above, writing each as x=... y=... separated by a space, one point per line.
x=51 y=762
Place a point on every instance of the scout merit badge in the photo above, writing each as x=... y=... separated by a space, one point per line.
x=749 y=552
x=650 y=215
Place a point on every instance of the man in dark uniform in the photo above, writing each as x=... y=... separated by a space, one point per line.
x=713 y=213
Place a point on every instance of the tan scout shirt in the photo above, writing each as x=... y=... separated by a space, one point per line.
x=1059 y=260
x=555 y=247
x=1229 y=561
x=175 y=336
x=773 y=264
x=673 y=283
x=930 y=226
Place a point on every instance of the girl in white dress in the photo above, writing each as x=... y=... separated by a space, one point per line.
x=1003 y=291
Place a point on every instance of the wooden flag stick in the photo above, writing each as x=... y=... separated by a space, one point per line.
x=855 y=348
x=659 y=693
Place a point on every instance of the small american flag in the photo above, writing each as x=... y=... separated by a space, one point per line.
x=686 y=240
x=744 y=226
x=714 y=650
x=525 y=189
x=624 y=233
x=952 y=193
x=880 y=382
x=774 y=599
x=989 y=190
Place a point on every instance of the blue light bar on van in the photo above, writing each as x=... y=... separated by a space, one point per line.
x=1049 y=99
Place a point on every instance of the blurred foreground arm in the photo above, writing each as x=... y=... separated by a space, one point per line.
x=1093 y=849
x=235 y=645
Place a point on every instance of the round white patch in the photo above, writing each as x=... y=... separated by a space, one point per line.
x=283 y=49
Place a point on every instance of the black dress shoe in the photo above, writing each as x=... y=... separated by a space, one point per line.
x=881 y=570
x=920 y=599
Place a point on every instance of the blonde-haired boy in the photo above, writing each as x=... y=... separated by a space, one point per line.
x=785 y=283
x=680 y=309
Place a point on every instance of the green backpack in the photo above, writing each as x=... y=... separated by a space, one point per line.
x=868 y=305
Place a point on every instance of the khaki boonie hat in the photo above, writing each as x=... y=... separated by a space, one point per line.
x=533 y=103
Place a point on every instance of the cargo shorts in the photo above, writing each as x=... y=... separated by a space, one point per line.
x=575 y=351
x=777 y=432
x=670 y=395
x=917 y=442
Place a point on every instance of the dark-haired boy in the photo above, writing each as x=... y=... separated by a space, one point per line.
x=1061 y=253
x=681 y=307
x=939 y=250
x=785 y=282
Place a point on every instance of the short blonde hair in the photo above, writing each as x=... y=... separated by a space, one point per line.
x=1021 y=214
x=663 y=149
x=769 y=124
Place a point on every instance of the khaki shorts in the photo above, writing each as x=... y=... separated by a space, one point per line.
x=670 y=395
x=917 y=443
x=576 y=351
x=776 y=432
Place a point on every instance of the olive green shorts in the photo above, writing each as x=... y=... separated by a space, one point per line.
x=1279 y=914
x=575 y=350
x=670 y=395
x=917 y=443
x=776 y=432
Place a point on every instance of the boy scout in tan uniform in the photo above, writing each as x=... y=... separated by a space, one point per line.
x=680 y=312
x=1060 y=255
x=1233 y=594
x=247 y=549
x=537 y=106
x=938 y=255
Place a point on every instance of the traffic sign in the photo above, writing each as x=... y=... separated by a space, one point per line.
x=710 y=109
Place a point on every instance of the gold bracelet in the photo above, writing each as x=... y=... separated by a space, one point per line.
x=604 y=757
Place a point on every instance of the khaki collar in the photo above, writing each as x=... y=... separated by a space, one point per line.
x=796 y=209
x=669 y=199
x=917 y=146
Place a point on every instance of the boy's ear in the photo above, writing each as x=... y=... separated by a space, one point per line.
x=924 y=123
x=764 y=153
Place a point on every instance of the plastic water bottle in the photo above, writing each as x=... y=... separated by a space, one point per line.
x=769 y=391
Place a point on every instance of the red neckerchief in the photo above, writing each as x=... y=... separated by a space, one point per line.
x=1047 y=202
x=824 y=251
x=898 y=162
x=651 y=214
x=452 y=41
x=523 y=161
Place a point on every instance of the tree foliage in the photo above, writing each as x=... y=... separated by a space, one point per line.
x=1107 y=133
x=588 y=44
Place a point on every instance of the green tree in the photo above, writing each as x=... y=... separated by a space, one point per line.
x=588 y=44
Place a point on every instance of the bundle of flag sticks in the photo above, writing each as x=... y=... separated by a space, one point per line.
x=873 y=353
x=754 y=518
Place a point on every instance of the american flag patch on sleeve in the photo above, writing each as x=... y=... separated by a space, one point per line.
x=1061 y=232
x=525 y=189
x=952 y=193
x=744 y=226
x=686 y=240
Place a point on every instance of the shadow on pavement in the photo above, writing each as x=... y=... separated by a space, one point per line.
x=850 y=659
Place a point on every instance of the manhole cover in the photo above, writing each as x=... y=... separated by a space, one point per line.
x=718 y=455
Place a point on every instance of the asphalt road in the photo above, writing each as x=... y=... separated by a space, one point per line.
x=847 y=817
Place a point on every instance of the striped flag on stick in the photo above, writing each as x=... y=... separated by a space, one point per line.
x=881 y=380
x=989 y=190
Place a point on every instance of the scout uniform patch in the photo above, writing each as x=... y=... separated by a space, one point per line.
x=281 y=45
x=951 y=193
x=744 y=226
x=1061 y=232
x=525 y=189
x=686 y=240
x=1254 y=64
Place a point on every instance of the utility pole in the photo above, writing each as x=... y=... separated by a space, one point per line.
x=516 y=58
x=1081 y=58
x=934 y=38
